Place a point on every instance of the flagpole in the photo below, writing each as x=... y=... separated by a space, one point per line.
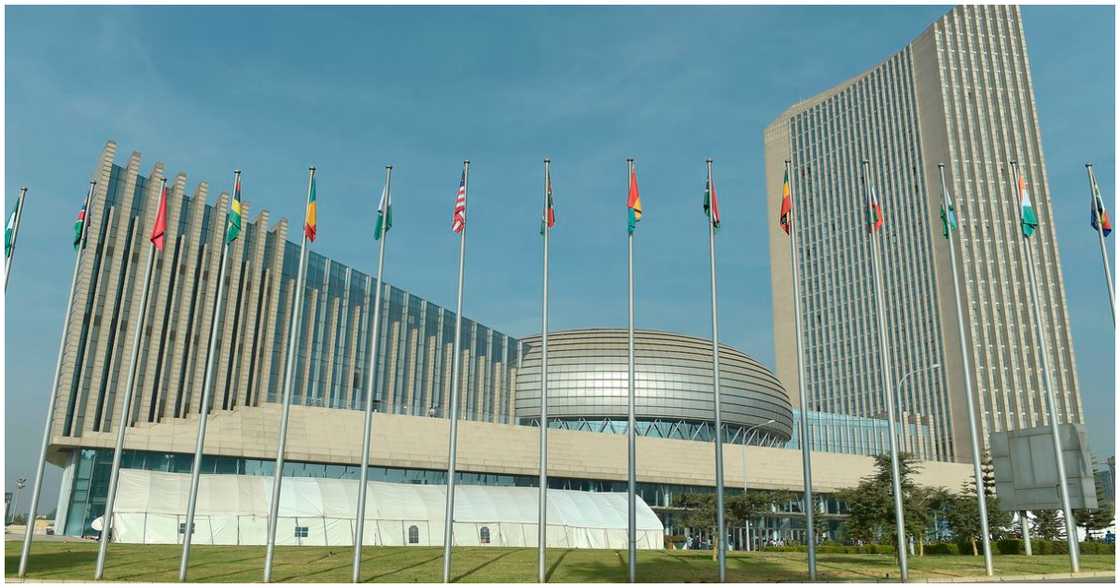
x=130 y=388
x=207 y=392
x=36 y=490
x=721 y=543
x=974 y=438
x=542 y=509
x=631 y=439
x=1044 y=352
x=453 y=435
x=15 y=233
x=899 y=517
x=289 y=377
x=1094 y=190
x=806 y=453
x=367 y=430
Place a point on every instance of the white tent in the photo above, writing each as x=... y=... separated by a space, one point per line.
x=233 y=510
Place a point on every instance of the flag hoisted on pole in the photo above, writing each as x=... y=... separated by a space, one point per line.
x=232 y=228
x=787 y=223
x=11 y=232
x=634 y=214
x=1102 y=224
x=548 y=219
x=159 y=227
x=309 y=232
x=459 y=226
x=874 y=224
x=949 y=226
x=711 y=210
x=1029 y=223
x=79 y=239
x=380 y=233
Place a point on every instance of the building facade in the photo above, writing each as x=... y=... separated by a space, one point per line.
x=499 y=397
x=959 y=94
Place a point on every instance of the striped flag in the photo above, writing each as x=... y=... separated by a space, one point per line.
x=784 y=219
x=160 y=227
x=384 y=213
x=711 y=203
x=234 y=213
x=1097 y=211
x=1027 y=219
x=633 y=202
x=79 y=227
x=310 y=223
x=549 y=218
x=874 y=212
x=459 y=215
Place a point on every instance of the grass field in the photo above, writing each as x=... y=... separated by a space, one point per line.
x=160 y=563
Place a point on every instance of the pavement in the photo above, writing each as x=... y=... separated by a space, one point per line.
x=1064 y=578
x=17 y=535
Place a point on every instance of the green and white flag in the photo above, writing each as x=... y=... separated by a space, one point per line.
x=1028 y=219
x=9 y=234
x=384 y=213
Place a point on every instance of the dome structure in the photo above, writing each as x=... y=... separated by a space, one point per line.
x=587 y=373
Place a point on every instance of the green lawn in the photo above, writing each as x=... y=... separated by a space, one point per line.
x=160 y=563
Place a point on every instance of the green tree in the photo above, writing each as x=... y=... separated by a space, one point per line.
x=871 y=503
x=1099 y=518
x=1047 y=525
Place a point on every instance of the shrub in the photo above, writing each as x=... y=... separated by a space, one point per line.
x=942 y=549
x=1010 y=546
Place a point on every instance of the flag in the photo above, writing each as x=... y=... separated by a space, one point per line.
x=9 y=232
x=384 y=213
x=234 y=213
x=309 y=224
x=549 y=218
x=161 y=221
x=459 y=215
x=711 y=203
x=1096 y=211
x=784 y=219
x=79 y=227
x=1028 y=219
x=874 y=212
x=633 y=202
x=948 y=219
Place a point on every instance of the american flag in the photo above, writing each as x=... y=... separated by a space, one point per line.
x=459 y=216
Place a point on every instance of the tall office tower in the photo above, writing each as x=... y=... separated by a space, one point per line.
x=960 y=94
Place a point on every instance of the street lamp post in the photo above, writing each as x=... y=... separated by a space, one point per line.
x=747 y=521
x=20 y=483
x=906 y=444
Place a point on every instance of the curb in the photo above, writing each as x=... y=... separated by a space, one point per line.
x=1019 y=578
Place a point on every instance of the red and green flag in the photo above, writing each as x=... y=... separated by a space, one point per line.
x=1098 y=215
x=874 y=212
x=79 y=227
x=1027 y=217
x=633 y=202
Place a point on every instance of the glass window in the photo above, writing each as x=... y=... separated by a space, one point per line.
x=484 y=535
x=413 y=535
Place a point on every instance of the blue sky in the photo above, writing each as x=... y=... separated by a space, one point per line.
x=273 y=90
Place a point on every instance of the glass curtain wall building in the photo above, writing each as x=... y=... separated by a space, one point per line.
x=959 y=94
x=416 y=336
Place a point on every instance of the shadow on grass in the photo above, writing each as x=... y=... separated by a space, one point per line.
x=556 y=564
x=347 y=565
x=483 y=565
x=408 y=567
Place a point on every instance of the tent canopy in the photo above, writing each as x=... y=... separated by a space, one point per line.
x=233 y=509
